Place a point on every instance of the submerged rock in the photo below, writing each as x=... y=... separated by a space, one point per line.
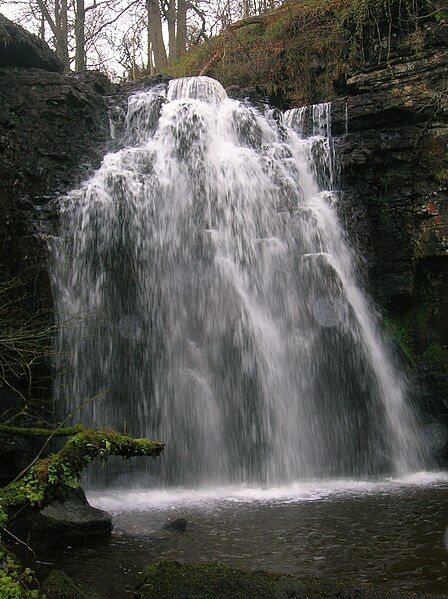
x=74 y=522
x=174 y=580
x=177 y=525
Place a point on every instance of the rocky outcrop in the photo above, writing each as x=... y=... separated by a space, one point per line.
x=39 y=162
x=53 y=130
x=391 y=133
x=59 y=585
x=394 y=160
x=19 y=48
x=73 y=522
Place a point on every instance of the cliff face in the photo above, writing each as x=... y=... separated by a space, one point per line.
x=391 y=132
x=53 y=129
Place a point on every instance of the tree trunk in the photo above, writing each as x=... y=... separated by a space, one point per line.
x=151 y=68
x=80 y=37
x=42 y=28
x=61 y=33
x=171 y=19
x=156 y=36
x=181 y=37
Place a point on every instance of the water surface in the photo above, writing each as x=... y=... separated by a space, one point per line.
x=386 y=532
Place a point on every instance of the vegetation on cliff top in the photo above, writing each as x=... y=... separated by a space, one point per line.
x=302 y=52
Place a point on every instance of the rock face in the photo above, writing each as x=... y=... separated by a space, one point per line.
x=74 y=522
x=392 y=142
x=19 y=48
x=394 y=161
x=53 y=130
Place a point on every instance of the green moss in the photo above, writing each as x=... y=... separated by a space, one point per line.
x=441 y=176
x=174 y=580
x=39 y=431
x=16 y=582
x=191 y=62
x=15 y=118
x=60 y=586
x=55 y=475
x=436 y=357
x=399 y=329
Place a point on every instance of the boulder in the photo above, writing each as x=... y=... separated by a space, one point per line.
x=73 y=522
x=177 y=525
x=19 y=48
x=174 y=580
x=59 y=585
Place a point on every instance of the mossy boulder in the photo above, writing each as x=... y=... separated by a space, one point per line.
x=174 y=580
x=59 y=585
x=72 y=522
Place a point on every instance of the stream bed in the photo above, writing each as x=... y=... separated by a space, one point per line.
x=391 y=532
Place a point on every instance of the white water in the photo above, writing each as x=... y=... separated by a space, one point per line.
x=143 y=500
x=220 y=308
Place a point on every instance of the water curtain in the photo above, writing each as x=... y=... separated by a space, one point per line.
x=217 y=302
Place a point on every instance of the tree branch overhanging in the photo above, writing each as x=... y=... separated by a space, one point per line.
x=52 y=477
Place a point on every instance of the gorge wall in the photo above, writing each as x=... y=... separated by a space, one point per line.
x=390 y=124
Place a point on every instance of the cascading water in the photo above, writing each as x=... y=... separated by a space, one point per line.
x=217 y=302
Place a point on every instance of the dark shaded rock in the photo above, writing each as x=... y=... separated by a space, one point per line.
x=247 y=94
x=174 y=580
x=53 y=131
x=392 y=151
x=97 y=81
x=177 y=525
x=19 y=48
x=73 y=522
x=145 y=82
x=16 y=453
x=392 y=139
x=59 y=585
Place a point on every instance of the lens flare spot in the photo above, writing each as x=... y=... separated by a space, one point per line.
x=329 y=311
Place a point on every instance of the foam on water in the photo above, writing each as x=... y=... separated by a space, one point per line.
x=115 y=501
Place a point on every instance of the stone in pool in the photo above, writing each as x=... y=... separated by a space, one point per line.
x=175 y=580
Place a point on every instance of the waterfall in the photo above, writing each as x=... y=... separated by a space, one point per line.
x=213 y=299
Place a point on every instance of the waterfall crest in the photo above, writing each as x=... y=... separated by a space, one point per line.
x=221 y=310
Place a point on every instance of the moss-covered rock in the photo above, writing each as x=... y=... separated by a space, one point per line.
x=54 y=477
x=73 y=522
x=174 y=580
x=59 y=585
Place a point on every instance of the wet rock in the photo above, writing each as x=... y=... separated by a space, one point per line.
x=53 y=131
x=247 y=94
x=391 y=139
x=174 y=580
x=73 y=522
x=177 y=525
x=19 y=48
x=59 y=585
x=16 y=452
